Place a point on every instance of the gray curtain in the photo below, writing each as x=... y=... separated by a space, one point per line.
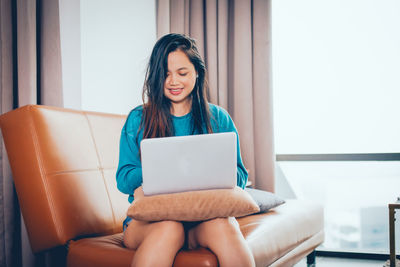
x=30 y=73
x=234 y=38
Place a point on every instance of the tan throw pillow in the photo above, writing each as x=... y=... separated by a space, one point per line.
x=192 y=206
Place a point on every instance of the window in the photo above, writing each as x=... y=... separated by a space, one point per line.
x=336 y=83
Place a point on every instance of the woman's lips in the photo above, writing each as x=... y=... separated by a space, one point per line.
x=175 y=91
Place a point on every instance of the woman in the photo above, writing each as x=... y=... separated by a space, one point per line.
x=175 y=104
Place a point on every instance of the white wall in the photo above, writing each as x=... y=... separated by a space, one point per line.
x=116 y=42
x=70 y=52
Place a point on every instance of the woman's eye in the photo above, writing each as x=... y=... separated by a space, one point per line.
x=183 y=74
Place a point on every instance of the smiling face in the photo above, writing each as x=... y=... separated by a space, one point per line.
x=179 y=83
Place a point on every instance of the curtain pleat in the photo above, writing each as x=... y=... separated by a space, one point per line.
x=196 y=23
x=234 y=39
x=264 y=154
x=6 y=53
x=211 y=46
x=10 y=241
x=26 y=50
x=163 y=18
x=177 y=16
x=50 y=54
x=241 y=89
x=221 y=87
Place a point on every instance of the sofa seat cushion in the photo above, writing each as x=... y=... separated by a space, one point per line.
x=270 y=236
x=297 y=224
x=109 y=251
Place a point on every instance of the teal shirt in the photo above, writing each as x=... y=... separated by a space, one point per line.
x=129 y=173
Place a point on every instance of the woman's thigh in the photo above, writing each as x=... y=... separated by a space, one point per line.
x=137 y=231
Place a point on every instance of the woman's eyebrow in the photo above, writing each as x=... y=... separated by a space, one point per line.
x=182 y=68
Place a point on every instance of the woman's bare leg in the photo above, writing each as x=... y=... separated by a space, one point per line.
x=156 y=244
x=223 y=237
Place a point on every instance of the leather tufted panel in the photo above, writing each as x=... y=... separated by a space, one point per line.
x=56 y=159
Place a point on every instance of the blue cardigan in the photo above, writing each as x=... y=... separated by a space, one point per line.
x=129 y=173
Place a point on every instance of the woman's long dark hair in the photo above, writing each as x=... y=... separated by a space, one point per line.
x=157 y=120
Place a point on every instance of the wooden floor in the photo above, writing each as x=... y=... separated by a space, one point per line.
x=342 y=262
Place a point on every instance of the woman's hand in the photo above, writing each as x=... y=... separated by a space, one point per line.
x=138 y=193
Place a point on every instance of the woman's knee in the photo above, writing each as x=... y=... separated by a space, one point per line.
x=168 y=231
x=134 y=234
x=168 y=227
x=223 y=226
x=224 y=238
x=216 y=231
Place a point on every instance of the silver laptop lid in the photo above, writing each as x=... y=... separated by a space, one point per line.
x=187 y=163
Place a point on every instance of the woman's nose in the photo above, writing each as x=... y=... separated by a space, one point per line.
x=172 y=79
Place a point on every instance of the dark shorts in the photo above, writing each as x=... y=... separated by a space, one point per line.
x=186 y=225
x=126 y=222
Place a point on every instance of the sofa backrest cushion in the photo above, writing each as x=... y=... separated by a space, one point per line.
x=63 y=163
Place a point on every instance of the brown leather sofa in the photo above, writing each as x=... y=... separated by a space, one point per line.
x=64 y=162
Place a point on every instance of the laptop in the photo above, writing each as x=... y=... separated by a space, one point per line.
x=188 y=163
